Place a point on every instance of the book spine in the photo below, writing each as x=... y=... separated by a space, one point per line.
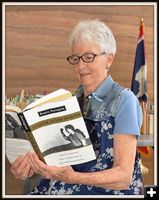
x=30 y=136
x=24 y=122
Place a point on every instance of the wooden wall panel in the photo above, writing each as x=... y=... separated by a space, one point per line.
x=36 y=44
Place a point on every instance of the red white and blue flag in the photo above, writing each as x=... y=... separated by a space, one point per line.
x=139 y=79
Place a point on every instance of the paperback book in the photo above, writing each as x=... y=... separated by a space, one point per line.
x=55 y=129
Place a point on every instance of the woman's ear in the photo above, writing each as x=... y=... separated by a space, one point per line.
x=110 y=59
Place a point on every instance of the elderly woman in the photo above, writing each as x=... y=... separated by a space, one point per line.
x=113 y=118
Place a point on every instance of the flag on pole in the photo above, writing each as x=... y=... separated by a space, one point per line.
x=139 y=80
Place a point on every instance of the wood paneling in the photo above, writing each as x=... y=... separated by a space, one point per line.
x=36 y=44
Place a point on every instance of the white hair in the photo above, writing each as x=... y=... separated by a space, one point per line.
x=94 y=31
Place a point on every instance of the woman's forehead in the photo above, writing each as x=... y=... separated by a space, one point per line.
x=85 y=46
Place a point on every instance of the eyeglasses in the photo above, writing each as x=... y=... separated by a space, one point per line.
x=87 y=57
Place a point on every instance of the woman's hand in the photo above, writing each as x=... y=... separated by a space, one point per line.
x=65 y=174
x=21 y=169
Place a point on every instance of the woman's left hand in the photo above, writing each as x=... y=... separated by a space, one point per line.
x=51 y=172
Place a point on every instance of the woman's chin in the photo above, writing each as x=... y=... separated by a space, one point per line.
x=85 y=80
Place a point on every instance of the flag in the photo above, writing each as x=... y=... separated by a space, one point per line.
x=139 y=79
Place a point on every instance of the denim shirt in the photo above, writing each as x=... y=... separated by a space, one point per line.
x=99 y=112
x=100 y=104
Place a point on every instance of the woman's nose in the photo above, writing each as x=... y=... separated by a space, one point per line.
x=81 y=64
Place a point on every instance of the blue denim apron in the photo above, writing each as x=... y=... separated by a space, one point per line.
x=99 y=111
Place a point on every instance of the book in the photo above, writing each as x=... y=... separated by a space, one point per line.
x=151 y=123
x=55 y=128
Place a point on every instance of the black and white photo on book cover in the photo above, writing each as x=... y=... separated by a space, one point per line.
x=13 y=126
x=76 y=137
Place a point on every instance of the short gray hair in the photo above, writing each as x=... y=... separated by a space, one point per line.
x=94 y=31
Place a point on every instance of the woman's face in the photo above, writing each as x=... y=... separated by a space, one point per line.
x=91 y=74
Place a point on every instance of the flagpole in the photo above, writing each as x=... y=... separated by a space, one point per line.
x=139 y=82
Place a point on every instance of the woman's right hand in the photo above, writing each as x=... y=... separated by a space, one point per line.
x=21 y=169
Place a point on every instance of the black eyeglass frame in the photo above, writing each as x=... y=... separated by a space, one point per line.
x=95 y=55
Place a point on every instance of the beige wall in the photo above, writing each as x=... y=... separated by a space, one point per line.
x=36 y=44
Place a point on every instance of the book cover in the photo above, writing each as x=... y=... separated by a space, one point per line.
x=16 y=142
x=57 y=131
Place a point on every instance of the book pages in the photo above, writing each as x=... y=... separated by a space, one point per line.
x=16 y=147
x=57 y=95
